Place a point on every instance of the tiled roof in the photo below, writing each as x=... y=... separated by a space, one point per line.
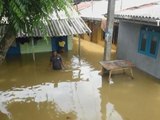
x=83 y=5
x=60 y=24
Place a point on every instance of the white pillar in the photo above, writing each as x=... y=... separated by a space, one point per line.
x=33 y=52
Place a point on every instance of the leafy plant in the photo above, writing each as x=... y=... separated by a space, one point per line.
x=26 y=14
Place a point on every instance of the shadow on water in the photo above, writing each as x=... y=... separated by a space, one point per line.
x=32 y=91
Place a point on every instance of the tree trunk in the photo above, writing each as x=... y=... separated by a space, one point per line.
x=4 y=46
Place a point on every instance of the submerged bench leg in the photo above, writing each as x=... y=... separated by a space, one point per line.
x=110 y=73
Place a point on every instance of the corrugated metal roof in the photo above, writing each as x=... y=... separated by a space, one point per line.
x=60 y=24
x=61 y=27
x=131 y=3
x=98 y=9
x=95 y=11
x=146 y=12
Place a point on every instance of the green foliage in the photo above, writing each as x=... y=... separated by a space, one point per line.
x=27 y=14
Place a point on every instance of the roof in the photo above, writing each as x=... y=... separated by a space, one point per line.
x=128 y=3
x=83 y=5
x=95 y=10
x=60 y=24
x=147 y=12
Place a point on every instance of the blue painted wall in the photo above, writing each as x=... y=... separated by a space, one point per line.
x=55 y=40
x=127 y=48
x=14 y=50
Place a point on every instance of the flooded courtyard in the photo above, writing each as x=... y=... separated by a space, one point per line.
x=32 y=91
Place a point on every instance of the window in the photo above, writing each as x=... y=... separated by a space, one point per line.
x=149 y=42
x=154 y=42
x=143 y=42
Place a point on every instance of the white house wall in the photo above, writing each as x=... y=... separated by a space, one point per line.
x=127 y=48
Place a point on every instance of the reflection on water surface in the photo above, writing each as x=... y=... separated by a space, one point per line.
x=59 y=93
x=32 y=91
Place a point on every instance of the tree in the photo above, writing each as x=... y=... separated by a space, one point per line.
x=28 y=13
x=24 y=15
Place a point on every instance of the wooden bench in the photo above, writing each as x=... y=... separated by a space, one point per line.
x=115 y=65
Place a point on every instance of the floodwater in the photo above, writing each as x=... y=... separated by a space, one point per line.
x=32 y=91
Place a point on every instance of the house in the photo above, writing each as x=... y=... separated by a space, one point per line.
x=61 y=26
x=139 y=37
x=135 y=26
x=94 y=13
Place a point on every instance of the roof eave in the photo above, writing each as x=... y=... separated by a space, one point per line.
x=138 y=20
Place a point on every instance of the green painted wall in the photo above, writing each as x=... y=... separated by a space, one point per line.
x=70 y=42
x=40 y=46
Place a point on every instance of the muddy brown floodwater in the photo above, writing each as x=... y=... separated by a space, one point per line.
x=32 y=91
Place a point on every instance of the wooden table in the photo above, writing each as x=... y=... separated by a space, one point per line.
x=115 y=65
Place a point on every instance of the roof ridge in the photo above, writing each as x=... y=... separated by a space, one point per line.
x=143 y=5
